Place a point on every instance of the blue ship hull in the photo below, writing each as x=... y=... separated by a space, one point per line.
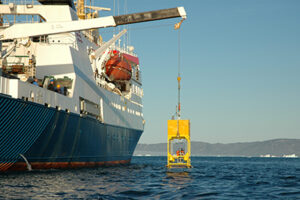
x=49 y=138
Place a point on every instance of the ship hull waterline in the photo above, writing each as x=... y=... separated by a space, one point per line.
x=54 y=139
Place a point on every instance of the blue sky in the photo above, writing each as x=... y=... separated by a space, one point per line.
x=240 y=64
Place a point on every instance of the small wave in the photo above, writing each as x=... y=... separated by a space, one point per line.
x=288 y=177
x=262 y=183
x=206 y=194
x=60 y=193
x=289 y=193
x=101 y=197
x=230 y=178
x=136 y=193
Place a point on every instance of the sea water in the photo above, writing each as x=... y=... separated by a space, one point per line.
x=148 y=178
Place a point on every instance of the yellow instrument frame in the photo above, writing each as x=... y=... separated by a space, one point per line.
x=179 y=129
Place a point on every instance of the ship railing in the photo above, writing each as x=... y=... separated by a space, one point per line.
x=72 y=44
x=67 y=40
x=14 y=67
x=124 y=50
x=19 y=68
x=138 y=76
x=20 y=2
x=87 y=34
x=5 y=24
x=14 y=18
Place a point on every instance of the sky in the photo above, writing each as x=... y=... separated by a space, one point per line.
x=240 y=68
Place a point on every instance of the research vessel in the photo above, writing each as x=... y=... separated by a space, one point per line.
x=67 y=98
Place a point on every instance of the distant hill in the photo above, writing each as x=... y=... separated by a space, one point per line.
x=276 y=147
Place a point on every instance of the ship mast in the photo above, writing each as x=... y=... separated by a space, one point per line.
x=80 y=9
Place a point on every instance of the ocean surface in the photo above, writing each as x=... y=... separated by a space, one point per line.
x=148 y=178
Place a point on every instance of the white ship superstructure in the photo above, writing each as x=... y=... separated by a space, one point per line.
x=68 y=55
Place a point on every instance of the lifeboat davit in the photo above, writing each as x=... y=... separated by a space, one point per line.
x=118 y=68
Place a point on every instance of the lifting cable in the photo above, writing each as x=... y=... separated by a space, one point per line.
x=177 y=27
x=178 y=77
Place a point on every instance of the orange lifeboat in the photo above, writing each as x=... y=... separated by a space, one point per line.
x=118 y=68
